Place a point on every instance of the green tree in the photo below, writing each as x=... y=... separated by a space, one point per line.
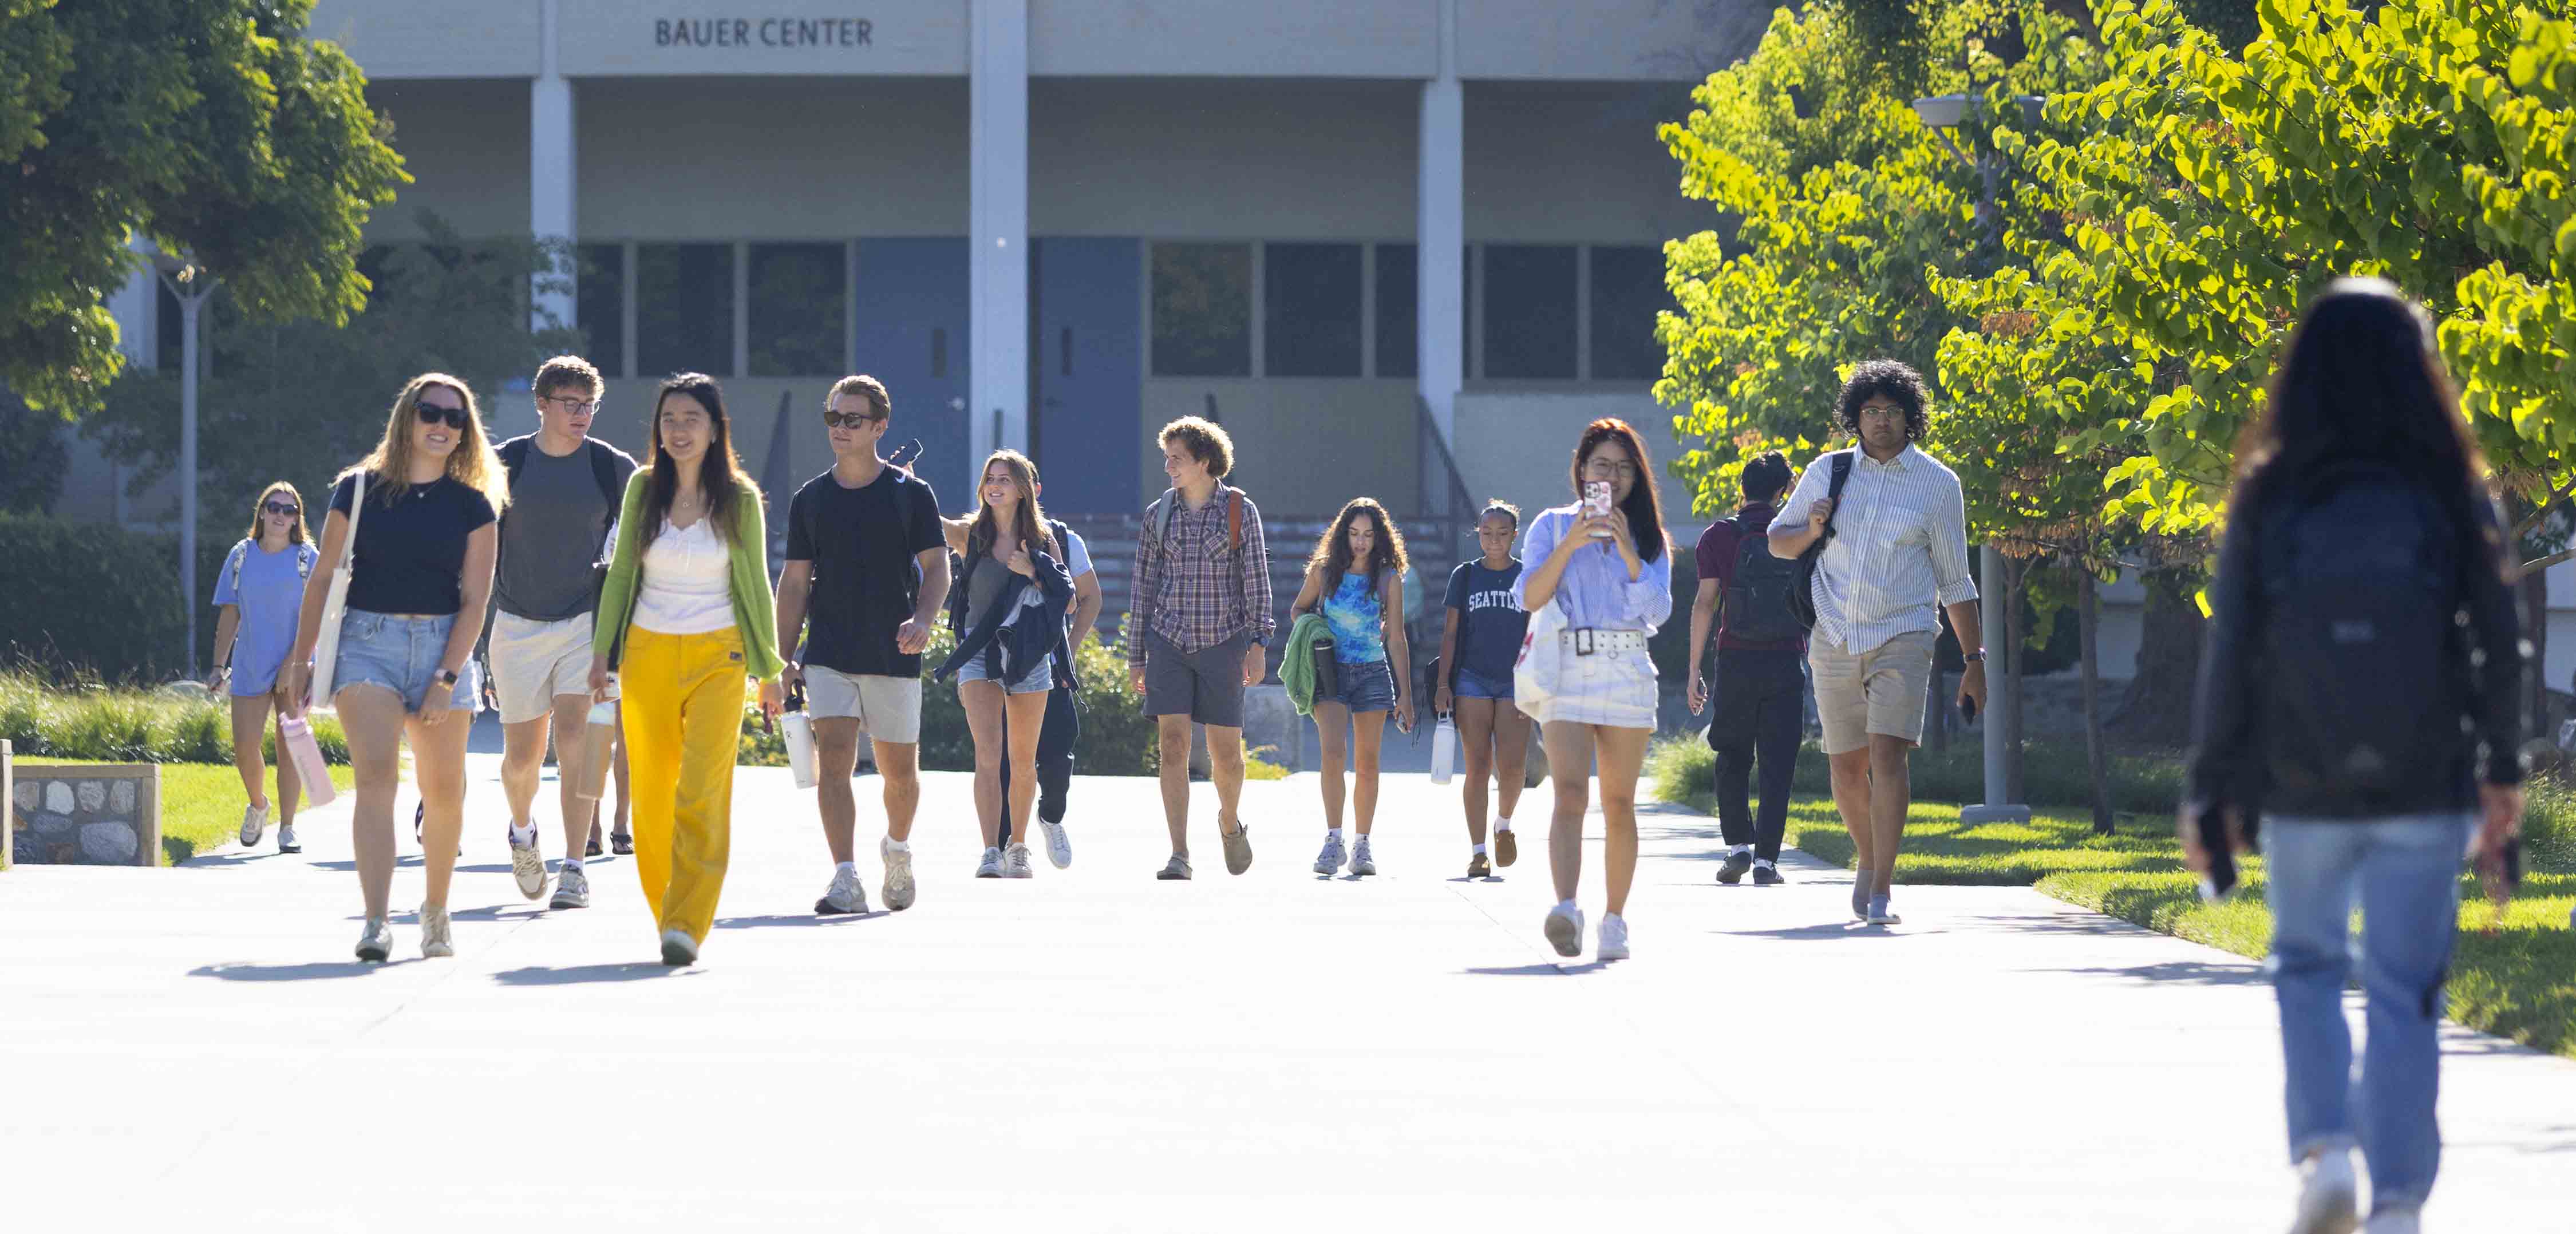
x=211 y=128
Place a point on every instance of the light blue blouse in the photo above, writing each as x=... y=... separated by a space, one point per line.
x=1594 y=590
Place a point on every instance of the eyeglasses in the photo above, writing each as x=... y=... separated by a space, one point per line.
x=456 y=417
x=280 y=507
x=1882 y=413
x=834 y=419
x=1608 y=469
x=570 y=405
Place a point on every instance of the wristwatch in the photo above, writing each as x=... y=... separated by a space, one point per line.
x=447 y=678
x=1974 y=657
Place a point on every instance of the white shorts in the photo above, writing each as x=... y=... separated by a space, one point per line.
x=1615 y=689
x=888 y=709
x=536 y=662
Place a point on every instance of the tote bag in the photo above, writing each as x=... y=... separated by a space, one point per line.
x=326 y=647
x=1534 y=673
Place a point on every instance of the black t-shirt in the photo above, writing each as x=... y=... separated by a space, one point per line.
x=1490 y=626
x=411 y=555
x=863 y=543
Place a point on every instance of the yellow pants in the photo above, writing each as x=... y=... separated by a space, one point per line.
x=682 y=713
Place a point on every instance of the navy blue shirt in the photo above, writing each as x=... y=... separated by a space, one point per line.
x=1490 y=625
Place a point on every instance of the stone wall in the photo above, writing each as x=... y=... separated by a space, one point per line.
x=86 y=815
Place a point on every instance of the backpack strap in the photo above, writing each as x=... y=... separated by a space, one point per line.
x=240 y=551
x=1842 y=475
x=1234 y=519
x=603 y=468
x=514 y=457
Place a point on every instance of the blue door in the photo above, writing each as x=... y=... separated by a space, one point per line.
x=1087 y=363
x=912 y=318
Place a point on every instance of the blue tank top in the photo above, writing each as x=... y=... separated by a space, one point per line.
x=1356 y=613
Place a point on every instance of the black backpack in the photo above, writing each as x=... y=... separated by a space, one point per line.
x=2364 y=672
x=1757 y=599
x=1802 y=593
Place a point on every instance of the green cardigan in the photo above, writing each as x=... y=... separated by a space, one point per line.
x=753 y=611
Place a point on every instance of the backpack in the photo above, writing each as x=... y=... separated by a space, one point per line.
x=2364 y=674
x=1802 y=592
x=1757 y=600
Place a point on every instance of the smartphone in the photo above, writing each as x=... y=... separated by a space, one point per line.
x=1596 y=502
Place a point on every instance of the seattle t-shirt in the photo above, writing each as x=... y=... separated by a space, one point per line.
x=410 y=555
x=1490 y=626
x=864 y=543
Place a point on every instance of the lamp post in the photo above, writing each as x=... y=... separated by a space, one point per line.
x=189 y=283
x=1942 y=113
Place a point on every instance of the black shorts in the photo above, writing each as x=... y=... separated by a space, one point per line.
x=1206 y=685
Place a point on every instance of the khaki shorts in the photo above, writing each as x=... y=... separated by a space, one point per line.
x=536 y=662
x=1878 y=691
x=887 y=708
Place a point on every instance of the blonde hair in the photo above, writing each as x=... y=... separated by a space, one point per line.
x=295 y=534
x=472 y=463
x=1031 y=524
x=880 y=404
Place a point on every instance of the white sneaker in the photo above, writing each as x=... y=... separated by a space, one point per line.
x=1565 y=930
x=2401 y=1221
x=678 y=948
x=845 y=895
x=898 y=887
x=2327 y=1194
x=1362 y=860
x=572 y=889
x=254 y=824
x=376 y=941
x=528 y=866
x=991 y=865
x=1614 y=938
x=437 y=942
x=1015 y=862
x=1059 y=845
x=1330 y=860
x=286 y=841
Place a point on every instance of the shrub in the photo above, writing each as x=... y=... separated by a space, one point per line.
x=91 y=600
x=91 y=721
x=2053 y=776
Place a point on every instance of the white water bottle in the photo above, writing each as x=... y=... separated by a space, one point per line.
x=598 y=746
x=797 y=729
x=1444 y=750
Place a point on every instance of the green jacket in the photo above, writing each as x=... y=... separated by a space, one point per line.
x=1297 y=661
x=753 y=611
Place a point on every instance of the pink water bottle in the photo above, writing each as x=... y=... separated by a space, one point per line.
x=298 y=744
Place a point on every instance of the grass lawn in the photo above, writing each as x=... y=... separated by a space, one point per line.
x=201 y=803
x=2514 y=977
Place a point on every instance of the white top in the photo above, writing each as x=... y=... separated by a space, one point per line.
x=1899 y=548
x=688 y=582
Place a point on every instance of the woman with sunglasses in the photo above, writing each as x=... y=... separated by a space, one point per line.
x=260 y=591
x=420 y=575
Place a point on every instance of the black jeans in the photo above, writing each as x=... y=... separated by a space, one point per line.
x=1055 y=759
x=1758 y=706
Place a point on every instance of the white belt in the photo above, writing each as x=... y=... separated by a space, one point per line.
x=1586 y=640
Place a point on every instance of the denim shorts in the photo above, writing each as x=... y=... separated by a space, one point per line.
x=402 y=654
x=1364 y=687
x=1472 y=684
x=1038 y=680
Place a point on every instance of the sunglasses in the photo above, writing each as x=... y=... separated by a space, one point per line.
x=280 y=507
x=834 y=419
x=456 y=417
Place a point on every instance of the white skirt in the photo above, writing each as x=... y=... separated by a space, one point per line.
x=1613 y=688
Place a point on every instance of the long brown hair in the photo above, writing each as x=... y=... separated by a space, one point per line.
x=295 y=534
x=719 y=470
x=1644 y=508
x=472 y=463
x=1029 y=524
x=1332 y=553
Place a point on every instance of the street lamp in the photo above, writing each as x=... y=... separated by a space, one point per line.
x=190 y=284
x=1941 y=114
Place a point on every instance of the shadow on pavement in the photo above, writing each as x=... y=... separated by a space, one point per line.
x=579 y=974
x=316 y=970
x=797 y=919
x=1812 y=933
x=1537 y=970
x=2187 y=972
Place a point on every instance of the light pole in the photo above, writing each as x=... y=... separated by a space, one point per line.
x=190 y=284
x=1941 y=114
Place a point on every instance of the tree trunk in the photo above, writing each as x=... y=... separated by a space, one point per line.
x=2017 y=576
x=2088 y=618
x=2157 y=709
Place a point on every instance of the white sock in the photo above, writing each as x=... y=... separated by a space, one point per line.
x=1480 y=850
x=1332 y=833
x=571 y=864
x=1765 y=863
x=523 y=836
x=1568 y=907
x=846 y=867
x=1502 y=824
x=1741 y=850
x=898 y=846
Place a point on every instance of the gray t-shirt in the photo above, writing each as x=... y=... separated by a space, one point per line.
x=553 y=531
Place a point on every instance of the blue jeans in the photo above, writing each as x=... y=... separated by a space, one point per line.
x=2405 y=871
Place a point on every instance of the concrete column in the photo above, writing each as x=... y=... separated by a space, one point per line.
x=553 y=178
x=997 y=364
x=1440 y=232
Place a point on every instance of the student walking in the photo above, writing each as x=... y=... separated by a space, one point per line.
x=1355 y=578
x=1477 y=647
x=420 y=572
x=1200 y=620
x=2361 y=685
x=1894 y=526
x=1761 y=695
x=1063 y=725
x=260 y=591
x=684 y=617
x=1008 y=612
x=566 y=489
x=866 y=574
x=1598 y=583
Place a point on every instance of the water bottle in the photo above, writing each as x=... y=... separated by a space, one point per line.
x=598 y=739
x=1444 y=750
x=797 y=728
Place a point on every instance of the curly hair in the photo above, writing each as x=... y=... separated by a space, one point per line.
x=1332 y=556
x=1895 y=379
x=1205 y=441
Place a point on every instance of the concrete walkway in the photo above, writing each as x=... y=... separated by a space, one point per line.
x=1095 y=1050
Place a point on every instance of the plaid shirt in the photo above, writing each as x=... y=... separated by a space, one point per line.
x=1193 y=589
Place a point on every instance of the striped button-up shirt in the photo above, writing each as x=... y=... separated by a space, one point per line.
x=1195 y=590
x=1899 y=549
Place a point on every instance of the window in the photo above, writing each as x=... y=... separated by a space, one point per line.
x=1627 y=292
x=1398 y=349
x=1310 y=295
x=799 y=310
x=599 y=301
x=1202 y=310
x=684 y=308
x=1529 y=311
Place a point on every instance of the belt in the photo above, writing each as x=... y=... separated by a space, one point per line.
x=1588 y=639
